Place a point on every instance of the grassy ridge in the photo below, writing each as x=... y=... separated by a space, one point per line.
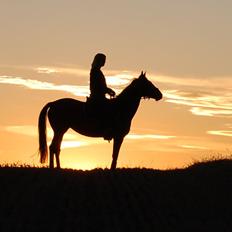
x=198 y=198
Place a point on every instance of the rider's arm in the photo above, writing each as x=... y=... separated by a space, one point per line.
x=110 y=92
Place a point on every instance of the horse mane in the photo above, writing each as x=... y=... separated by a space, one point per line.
x=128 y=89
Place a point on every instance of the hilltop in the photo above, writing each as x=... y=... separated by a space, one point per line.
x=197 y=198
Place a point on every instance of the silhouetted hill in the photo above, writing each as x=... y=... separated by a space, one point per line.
x=198 y=198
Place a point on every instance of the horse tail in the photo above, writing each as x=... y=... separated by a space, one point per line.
x=43 y=148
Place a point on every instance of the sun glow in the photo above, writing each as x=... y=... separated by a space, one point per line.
x=83 y=165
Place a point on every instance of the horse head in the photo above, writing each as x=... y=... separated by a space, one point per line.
x=147 y=89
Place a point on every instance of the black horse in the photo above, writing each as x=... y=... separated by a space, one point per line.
x=80 y=116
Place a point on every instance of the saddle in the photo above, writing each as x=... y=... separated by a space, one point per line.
x=101 y=112
x=98 y=108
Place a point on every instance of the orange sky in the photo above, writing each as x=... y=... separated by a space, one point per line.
x=46 y=51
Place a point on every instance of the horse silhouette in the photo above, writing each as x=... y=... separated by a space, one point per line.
x=68 y=113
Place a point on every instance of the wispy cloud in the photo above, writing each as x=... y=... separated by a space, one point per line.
x=113 y=78
x=46 y=70
x=148 y=136
x=72 y=140
x=122 y=77
x=208 y=96
x=23 y=130
x=64 y=70
x=202 y=111
x=73 y=144
x=204 y=97
x=193 y=147
x=39 y=85
x=30 y=130
x=180 y=82
x=202 y=83
x=117 y=81
x=221 y=132
x=203 y=104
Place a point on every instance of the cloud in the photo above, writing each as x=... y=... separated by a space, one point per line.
x=77 y=90
x=202 y=104
x=113 y=78
x=220 y=132
x=72 y=140
x=180 y=82
x=202 y=83
x=30 y=130
x=72 y=144
x=70 y=71
x=202 y=111
x=148 y=136
x=193 y=147
x=122 y=79
x=46 y=70
x=24 y=130
x=39 y=85
x=210 y=97
x=117 y=81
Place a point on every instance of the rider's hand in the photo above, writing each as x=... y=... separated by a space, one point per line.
x=111 y=93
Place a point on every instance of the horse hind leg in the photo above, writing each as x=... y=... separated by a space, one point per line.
x=57 y=154
x=55 y=148
x=52 y=151
x=51 y=157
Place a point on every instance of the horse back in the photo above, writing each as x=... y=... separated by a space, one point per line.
x=65 y=110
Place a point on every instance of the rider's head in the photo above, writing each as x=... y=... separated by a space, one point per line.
x=99 y=60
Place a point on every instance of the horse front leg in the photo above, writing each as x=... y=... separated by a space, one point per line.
x=116 y=147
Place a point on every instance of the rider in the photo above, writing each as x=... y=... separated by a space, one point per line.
x=98 y=89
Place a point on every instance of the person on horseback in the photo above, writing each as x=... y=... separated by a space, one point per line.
x=98 y=90
x=98 y=87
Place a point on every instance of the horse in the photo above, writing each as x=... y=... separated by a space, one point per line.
x=80 y=116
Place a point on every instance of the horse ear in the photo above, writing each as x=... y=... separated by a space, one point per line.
x=142 y=75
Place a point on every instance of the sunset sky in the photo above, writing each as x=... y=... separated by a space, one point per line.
x=46 y=50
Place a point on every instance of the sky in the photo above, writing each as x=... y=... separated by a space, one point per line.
x=46 y=51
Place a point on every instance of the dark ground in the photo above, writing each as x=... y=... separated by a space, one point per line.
x=198 y=198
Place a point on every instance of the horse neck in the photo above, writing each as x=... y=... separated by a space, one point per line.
x=129 y=100
x=133 y=107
